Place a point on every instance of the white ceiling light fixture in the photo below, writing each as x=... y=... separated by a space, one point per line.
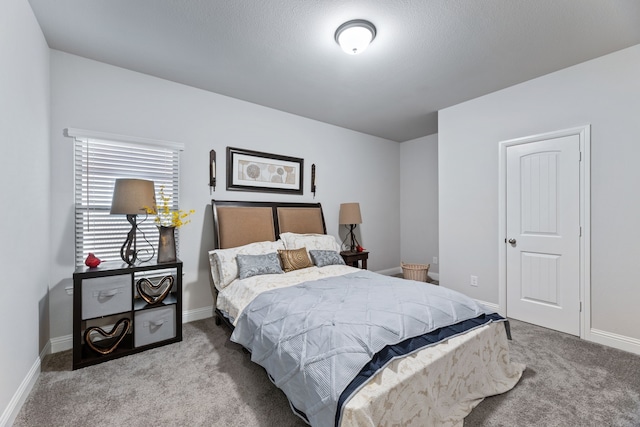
x=354 y=36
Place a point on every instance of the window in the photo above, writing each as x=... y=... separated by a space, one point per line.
x=98 y=160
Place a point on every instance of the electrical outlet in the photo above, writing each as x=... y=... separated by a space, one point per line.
x=474 y=281
x=435 y=260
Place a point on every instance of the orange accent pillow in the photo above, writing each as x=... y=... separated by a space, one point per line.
x=294 y=259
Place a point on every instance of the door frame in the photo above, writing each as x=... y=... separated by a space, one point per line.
x=584 y=135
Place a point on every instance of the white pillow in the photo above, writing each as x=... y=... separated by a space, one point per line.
x=224 y=267
x=322 y=242
x=215 y=271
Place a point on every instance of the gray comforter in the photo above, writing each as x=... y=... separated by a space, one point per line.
x=314 y=338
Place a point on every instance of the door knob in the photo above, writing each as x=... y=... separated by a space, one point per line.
x=512 y=241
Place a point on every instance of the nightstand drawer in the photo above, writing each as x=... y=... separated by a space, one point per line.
x=102 y=296
x=155 y=324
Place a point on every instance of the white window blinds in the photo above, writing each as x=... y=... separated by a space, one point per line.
x=99 y=159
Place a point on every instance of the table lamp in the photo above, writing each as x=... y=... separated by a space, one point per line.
x=131 y=197
x=350 y=216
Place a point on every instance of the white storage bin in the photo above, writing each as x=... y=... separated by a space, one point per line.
x=154 y=325
x=102 y=296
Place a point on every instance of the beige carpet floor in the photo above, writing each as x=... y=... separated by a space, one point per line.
x=206 y=380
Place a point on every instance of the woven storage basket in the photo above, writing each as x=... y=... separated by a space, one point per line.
x=415 y=271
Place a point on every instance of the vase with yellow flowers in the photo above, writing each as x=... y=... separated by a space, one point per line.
x=167 y=221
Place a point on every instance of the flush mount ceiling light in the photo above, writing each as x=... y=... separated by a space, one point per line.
x=354 y=36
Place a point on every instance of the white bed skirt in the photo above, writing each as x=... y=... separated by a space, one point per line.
x=439 y=385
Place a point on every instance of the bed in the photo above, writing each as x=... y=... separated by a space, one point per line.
x=407 y=372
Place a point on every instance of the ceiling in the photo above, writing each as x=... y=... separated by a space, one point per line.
x=428 y=54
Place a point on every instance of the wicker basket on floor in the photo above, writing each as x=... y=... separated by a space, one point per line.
x=415 y=271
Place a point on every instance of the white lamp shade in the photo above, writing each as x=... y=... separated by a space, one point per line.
x=354 y=36
x=132 y=196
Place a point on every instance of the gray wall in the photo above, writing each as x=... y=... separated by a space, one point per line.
x=351 y=166
x=419 y=201
x=24 y=227
x=605 y=93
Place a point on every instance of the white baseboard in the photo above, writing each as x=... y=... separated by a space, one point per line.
x=390 y=271
x=489 y=305
x=46 y=350
x=197 y=314
x=15 y=404
x=59 y=344
x=398 y=270
x=621 y=342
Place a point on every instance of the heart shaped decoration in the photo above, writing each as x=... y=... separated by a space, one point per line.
x=112 y=336
x=151 y=293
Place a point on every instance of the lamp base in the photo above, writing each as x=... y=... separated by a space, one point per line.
x=352 y=237
x=127 y=254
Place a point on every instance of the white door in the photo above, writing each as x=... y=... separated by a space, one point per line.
x=543 y=233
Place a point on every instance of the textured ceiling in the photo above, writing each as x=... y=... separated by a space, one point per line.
x=428 y=54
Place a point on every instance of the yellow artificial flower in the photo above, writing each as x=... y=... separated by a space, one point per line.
x=165 y=217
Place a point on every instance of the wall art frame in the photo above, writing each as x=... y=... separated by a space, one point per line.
x=249 y=170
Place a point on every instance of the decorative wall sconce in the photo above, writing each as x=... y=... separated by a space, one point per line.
x=212 y=169
x=313 y=180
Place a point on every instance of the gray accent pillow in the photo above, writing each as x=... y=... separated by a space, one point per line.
x=254 y=265
x=322 y=258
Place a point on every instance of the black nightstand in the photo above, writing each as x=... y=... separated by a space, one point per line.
x=353 y=258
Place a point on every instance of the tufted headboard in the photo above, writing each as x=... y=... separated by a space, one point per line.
x=237 y=223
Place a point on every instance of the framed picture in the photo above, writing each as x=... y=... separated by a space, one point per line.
x=263 y=172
